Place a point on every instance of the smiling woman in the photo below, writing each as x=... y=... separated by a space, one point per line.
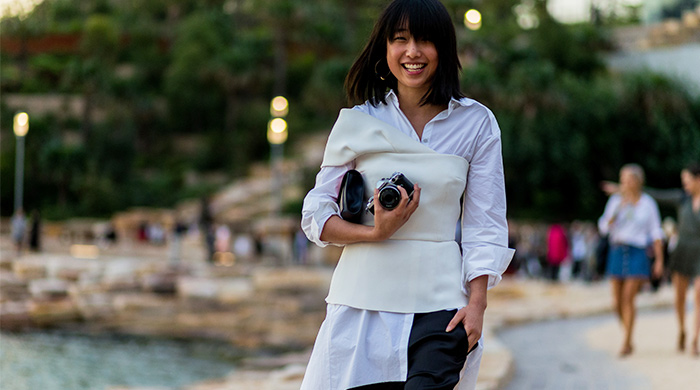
x=9 y=8
x=407 y=300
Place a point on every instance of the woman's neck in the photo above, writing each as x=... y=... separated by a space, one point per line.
x=419 y=115
x=631 y=196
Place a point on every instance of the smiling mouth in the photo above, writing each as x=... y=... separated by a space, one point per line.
x=414 y=67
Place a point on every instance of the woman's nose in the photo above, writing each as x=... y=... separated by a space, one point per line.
x=413 y=50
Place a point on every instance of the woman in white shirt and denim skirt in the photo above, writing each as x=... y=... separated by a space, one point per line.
x=632 y=222
x=407 y=299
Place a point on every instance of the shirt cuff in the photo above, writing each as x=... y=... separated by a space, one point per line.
x=318 y=221
x=490 y=260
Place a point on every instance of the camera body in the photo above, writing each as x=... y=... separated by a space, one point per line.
x=389 y=194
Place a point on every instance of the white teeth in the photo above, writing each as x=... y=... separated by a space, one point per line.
x=414 y=66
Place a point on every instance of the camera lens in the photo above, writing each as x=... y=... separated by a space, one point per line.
x=389 y=197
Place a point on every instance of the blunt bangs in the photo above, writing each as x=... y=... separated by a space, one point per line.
x=420 y=18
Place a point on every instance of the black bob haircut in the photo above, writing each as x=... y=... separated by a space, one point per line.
x=426 y=20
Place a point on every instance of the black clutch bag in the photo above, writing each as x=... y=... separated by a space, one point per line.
x=351 y=196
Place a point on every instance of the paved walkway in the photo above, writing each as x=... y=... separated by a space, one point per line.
x=564 y=337
x=655 y=356
x=555 y=355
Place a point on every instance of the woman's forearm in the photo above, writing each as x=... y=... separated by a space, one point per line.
x=338 y=231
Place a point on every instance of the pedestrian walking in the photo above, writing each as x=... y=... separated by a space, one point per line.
x=685 y=259
x=406 y=302
x=683 y=245
x=632 y=222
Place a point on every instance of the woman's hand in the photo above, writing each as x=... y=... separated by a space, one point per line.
x=472 y=318
x=658 y=268
x=472 y=315
x=387 y=222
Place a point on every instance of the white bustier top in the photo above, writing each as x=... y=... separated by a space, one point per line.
x=419 y=268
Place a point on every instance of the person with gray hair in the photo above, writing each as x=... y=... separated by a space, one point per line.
x=632 y=222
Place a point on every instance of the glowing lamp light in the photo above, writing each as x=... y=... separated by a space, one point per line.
x=472 y=19
x=277 y=131
x=21 y=124
x=279 y=107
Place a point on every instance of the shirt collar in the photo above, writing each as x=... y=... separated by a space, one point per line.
x=454 y=103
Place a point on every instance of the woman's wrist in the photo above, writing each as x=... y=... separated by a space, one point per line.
x=477 y=289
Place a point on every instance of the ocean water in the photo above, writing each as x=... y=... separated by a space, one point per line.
x=69 y=361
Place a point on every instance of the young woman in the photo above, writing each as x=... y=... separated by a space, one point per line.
x=685 y=258
x=632 y=221
x=407 y=299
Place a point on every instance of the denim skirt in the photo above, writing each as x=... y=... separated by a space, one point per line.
x=625 y=261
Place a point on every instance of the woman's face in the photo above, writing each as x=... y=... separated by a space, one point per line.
x=629 y=182
x=691 y=183
x=413 y=62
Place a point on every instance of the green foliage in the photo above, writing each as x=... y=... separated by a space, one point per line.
x=152 y=72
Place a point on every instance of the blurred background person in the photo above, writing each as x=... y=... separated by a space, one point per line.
x=685 y=258
x=35 y=232
x=557 y=250
x=632 y=222
x=19 y=229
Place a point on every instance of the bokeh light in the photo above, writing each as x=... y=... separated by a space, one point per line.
x=277 y=131
x=279 y=107
x=472 y=19
x=21 y=124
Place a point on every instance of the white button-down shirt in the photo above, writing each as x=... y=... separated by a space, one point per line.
x=349 y=337
x=466 y=129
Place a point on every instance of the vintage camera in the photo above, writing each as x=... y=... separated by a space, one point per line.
x=389 y=194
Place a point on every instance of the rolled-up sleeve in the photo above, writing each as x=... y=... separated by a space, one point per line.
x=321 y=202
x=484 y=226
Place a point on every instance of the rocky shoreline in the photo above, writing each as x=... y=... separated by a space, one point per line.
x=252 y=307
x=255 y=307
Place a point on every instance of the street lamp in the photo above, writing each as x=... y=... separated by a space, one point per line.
x=277 y=135
x=20 y=127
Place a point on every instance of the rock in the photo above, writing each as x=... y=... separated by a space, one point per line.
x=291 y=278
x=120 y=276
x=92 y=305
x=12 y=288
x=160 y=283
x=28 y=270
x=136 y=302
x=292 y=372
x=14 y=316
x=71 y=275
x=6 y=263
x=53 y=312
x=225 y=290
x=234 y=290
x=48 y=288
x=194 y=287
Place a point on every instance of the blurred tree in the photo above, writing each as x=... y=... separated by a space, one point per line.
x=161 y=73
x=92 y=72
